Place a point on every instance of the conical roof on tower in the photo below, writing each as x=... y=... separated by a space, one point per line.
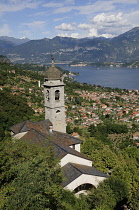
x=53 y=73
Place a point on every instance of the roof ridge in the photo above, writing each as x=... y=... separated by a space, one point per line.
x=75 y=167
x=39 y=132
x=23 y=125
x=68 y=135
x=60 y=146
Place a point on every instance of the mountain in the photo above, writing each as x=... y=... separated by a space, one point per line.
x=14 y=40
x=126 y=46
x=123 y=48
x=4 y=59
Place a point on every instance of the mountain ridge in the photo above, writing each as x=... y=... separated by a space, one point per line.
x=123 y=48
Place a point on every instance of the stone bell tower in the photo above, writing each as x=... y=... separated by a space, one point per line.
x=54 y=98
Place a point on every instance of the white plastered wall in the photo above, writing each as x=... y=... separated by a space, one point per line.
x=85 y=179
x=74 y=159
x=19 y=135
x=77 y=147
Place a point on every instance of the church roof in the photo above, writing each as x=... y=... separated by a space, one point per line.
x=72 y=171
x=25 y=126
x=60 y=149
x=43 y=128
x=53 y=73
x=39 y=133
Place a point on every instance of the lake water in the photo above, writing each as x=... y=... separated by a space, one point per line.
x=124 y=78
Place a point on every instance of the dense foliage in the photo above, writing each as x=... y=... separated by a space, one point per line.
x=13 y=109
x=121 y=189
x=31 y=179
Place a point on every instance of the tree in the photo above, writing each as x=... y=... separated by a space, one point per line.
x=13 y=109
x=69 y=129
x=30 y=177
x=111 y=194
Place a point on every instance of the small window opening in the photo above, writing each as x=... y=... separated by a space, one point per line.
x=57 y=95
x=73 y=146
x=47 y=95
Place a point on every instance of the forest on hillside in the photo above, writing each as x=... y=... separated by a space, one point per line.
x=30 y=175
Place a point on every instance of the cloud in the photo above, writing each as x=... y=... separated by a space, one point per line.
x=37 y=14
x=5 y=30
x=65 y=27
x=69 y=1
x=98 y=6
x=63 y=10
x=103 y=18
x=93 y=32
x=31 y=29
x=59 y=19
x=132 y=17
x=60 y=7
x=106 y=25
x=52 y=4
x=31 y=34
x=126 y=1
x=107 y=35
x=84 y=26
x=111 y=24
x=56 y=4
x=17 y=5
x=84 y=9
x=72 y=35
x=64 y=35
x=35 y=24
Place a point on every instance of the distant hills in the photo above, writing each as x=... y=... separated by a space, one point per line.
x=4 y=59
x=123 y=48
x=13 y=40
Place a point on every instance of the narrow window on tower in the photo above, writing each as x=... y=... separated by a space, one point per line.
x=57 y=95
x=47 y=95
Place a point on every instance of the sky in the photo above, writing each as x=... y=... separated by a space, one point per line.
x=38 y=19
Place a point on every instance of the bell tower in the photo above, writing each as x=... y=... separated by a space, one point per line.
x=54 y=98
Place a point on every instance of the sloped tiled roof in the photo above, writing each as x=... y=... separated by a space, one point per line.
x=43 y=127
x=60 y=149
x=25 y=126
x=72 y=171
x=53 y=73
x=39 y=133
x=62 y=137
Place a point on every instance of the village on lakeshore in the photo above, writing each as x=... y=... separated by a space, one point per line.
x=84 y=107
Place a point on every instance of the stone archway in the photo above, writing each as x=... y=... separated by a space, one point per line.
x=85 y=186
x=83 y=189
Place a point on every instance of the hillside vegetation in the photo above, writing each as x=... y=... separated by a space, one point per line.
x=30 y=175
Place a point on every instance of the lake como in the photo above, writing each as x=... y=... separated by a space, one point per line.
x=120 y=77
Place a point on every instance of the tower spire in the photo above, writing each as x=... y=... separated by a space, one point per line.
x=54 y=98
x=52 y=60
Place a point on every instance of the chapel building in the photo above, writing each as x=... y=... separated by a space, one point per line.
x=78 y=170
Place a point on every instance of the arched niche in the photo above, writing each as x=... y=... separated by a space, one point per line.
x=47 y=95
x=83 y=187
x=57 y=95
